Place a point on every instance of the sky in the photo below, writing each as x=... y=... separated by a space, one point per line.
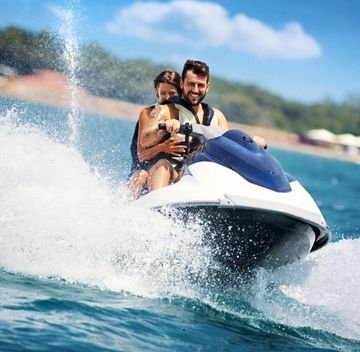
x=301 y=50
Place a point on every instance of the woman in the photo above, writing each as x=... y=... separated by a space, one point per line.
x=166 y=84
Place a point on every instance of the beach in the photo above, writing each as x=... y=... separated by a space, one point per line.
x=51 y=88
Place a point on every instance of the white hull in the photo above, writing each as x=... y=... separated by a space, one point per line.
x=250 y=225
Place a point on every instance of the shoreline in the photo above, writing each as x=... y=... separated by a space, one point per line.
x=51 y=89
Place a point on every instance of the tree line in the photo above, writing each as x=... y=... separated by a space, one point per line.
x=104 y=74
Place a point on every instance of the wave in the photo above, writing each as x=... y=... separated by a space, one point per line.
x=59 y=217
x=320 y=292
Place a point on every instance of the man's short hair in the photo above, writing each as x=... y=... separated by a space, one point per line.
x=198 y=67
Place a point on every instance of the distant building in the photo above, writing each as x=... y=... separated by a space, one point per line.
x=347 y=142
x=319 y=137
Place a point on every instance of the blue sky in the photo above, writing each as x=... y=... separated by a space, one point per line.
x=302 y=50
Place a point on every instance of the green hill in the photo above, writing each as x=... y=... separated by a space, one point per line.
x=101 y=73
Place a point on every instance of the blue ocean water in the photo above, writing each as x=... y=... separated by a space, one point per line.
x=81 y=269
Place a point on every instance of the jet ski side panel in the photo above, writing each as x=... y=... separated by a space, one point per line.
x=245 y=239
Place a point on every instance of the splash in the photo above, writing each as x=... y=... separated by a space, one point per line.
x=320 y=292
x=68 y=23
x=60 y=218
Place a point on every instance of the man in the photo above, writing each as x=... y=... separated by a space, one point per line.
x=195 y=85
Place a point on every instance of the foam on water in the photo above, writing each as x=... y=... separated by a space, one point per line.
x=60 y=218
x=320 y=292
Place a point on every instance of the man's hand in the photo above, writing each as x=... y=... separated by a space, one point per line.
x=260 y=141
x=173 y=147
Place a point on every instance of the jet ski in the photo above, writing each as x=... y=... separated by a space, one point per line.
x=254 y=214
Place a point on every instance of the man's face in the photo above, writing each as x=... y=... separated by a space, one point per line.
x=194 y=88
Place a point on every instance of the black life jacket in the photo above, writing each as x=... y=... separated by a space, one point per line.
x=136 y=164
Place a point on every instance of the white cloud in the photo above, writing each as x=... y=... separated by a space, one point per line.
x=207 y=24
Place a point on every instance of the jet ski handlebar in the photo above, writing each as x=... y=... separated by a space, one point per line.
x=201 y=132
x=185 y=129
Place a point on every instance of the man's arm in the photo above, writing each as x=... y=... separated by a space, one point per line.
x=222 y=122
x=221 y=119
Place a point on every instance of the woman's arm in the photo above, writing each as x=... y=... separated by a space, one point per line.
x=149 y=133
x=170 y=146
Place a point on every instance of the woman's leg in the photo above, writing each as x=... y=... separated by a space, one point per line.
x=137 y=183
x=161 y=175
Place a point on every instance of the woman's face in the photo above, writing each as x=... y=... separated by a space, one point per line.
x=165 y=91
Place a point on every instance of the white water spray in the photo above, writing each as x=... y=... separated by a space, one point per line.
x=68 y=23
x=60 y=218
x=320 y=292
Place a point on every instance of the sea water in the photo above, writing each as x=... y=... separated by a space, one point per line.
x=82 y=269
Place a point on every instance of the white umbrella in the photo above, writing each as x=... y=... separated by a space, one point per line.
x=348 y=139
